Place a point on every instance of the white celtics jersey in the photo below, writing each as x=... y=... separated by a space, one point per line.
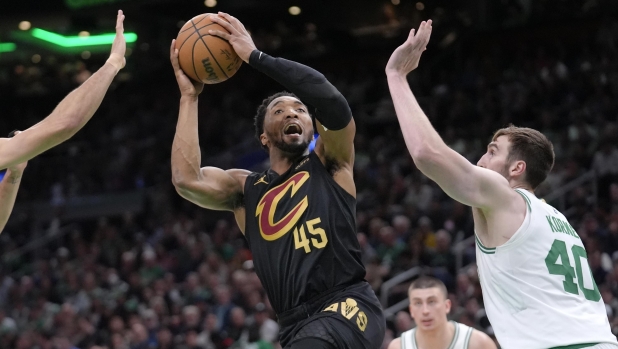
x=538 y=289
x=461 y=338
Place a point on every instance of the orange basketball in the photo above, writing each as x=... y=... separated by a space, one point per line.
x=204 y=57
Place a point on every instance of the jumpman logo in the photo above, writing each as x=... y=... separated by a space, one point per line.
x=261 y=180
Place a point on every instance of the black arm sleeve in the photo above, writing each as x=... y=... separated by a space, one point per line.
x=332 y=110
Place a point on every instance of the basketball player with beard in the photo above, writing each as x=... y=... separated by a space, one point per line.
x=298 y=216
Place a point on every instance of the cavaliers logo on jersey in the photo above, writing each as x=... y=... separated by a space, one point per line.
x=266 y=208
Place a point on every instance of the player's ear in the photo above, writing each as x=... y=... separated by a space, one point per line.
x=264 y=140
x=518 y=168
x=447 y=304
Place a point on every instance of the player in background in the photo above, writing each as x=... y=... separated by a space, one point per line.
x=299 y=216
x=429 y=307
x=538 y=289
x=71 y=114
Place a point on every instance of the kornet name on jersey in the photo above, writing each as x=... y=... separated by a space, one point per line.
x=301 y=228
x=538 y=288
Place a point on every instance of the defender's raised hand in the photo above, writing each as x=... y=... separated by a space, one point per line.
x=119 y=46
x=406 y=57
x=238 y=36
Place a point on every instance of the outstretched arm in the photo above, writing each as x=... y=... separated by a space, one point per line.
x=72 y=112
x=8 y=192
x=461 y=180
x=209 y=187
x=334 y=117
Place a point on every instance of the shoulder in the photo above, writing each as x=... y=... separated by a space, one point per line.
x=480 y=340
x=395 y=344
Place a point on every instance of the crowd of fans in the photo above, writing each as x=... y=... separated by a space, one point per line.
x=176 y=276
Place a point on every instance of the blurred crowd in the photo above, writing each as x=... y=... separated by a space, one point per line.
x=177 y=276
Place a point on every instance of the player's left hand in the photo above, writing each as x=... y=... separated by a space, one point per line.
x=238 y=36
x=119 y=46
x=406 y=57
x=188 y=87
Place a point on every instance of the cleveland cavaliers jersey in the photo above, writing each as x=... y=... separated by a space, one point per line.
x=301 y=228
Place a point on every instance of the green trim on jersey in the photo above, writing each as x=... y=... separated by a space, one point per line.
x=526 y=199
x=576 y=346
x=486 y=250
x=468 y=336
x=454 y=340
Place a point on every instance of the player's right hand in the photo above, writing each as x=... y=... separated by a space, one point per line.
x=406 y=57
x=188 y=87
x=119 y=46
x=238 y=35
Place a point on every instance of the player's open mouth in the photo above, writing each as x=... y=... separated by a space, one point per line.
x=293 y=129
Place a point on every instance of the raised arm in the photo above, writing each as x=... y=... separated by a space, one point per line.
x=9 y=186
x=461 y=180
x=333 y=116
x=208 y=187
x=72 y=112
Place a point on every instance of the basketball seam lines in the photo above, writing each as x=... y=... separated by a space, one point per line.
x=201 y=19
x=208 y=48
x=193 y=59
x=197 y=28
x=191 y=34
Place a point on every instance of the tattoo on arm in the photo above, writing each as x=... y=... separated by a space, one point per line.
x=14 y=179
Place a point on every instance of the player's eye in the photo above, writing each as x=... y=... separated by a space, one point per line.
x=301 y=110
x=278 y=111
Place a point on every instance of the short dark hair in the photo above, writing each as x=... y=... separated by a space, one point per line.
x=258 y=120
x=533 y=148
x=424 y=282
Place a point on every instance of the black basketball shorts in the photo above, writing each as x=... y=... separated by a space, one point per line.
x=348 y=318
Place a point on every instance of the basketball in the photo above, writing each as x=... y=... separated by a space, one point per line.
x=204 y=57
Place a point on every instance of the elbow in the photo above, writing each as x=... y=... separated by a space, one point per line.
x=181 y=186
x=427 y=159
x=179 y=182
x=424 y=155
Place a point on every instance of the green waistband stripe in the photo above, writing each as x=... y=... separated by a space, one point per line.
x=576 y=346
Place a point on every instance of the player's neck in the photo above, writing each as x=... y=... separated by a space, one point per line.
x=520 y=185
x=280 y=162
x=438 y=338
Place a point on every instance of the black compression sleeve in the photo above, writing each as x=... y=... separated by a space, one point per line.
x=332 y=110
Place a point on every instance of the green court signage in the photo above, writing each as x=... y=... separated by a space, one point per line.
x=76 y=4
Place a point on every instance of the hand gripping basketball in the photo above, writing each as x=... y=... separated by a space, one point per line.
x=188 y=87
x=238 y=36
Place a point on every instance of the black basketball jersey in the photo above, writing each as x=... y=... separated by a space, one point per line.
x=301 y=228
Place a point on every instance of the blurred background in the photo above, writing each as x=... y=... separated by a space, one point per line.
x=101 y=252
